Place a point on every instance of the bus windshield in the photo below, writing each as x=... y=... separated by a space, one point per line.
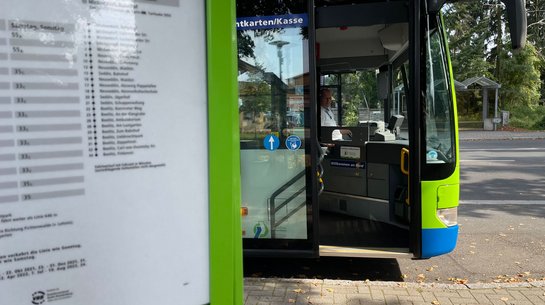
x=438 y=106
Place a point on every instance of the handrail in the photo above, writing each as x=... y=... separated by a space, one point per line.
x=273 y=209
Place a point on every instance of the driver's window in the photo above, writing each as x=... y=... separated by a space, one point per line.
x=399 y=96
x=438 y=106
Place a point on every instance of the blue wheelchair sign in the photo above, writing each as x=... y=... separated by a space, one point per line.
x=293 y=142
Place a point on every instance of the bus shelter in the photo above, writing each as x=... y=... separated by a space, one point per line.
x=486 y=84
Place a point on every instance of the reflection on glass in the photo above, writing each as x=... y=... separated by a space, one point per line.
x=400 y=92
x=273 y=74
x=271 y=85
x=438 y=112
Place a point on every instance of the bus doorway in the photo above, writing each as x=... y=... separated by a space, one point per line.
x=305 y=190
x=364 y=208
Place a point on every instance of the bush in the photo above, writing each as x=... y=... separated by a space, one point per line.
x=527 y=117
x=540 y=125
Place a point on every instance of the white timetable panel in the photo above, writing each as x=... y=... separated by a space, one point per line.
x=103 y=152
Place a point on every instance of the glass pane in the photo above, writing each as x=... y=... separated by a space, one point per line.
x=273 y=79
x=359 y=98
x=400 y=96
x=438 y=106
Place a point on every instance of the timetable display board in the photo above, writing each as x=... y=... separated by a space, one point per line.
x=103 y=152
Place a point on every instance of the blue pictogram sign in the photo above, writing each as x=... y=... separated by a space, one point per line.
x=293 y=142
x=271 y=142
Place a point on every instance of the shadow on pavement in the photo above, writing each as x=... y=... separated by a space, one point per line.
x=335 y=268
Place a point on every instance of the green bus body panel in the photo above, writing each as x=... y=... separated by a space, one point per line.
x=224 y=156
x=431 y=189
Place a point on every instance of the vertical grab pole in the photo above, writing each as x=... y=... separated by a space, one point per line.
x=405 y=170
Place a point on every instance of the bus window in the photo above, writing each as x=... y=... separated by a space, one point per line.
x=399 y=96
x=438 y=112
x=273 y=98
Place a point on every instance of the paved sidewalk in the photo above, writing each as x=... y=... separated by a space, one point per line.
x=475 y=135
x=293 y=291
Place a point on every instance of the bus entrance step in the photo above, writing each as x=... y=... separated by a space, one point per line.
x=364 y=252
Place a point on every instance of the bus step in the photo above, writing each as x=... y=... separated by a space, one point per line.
x=364 y=252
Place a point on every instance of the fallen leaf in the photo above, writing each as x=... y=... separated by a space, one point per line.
x=403 y=276
x=329 y=289
x=298 y=290
x=518 y=263
x=429 y=269
x=291 y=301
x=472 y=252
x=503 y=235
x=458 y=280
x=504 y=299
x=435 y=303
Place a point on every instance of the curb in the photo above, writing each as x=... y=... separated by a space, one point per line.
x=533 y=284
x=500 y=135
x=502 y=139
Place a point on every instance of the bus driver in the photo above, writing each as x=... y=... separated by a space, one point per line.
x=327 y=116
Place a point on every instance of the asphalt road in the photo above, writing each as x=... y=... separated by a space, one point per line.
x=503 y=170
x=496 y=243
x=501 y=217
x=502 y=227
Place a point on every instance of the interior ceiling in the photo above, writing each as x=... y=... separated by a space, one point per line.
x=342 y=2
x=348 y=34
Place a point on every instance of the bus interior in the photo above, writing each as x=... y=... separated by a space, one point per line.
x=364 y=202
x=360 y=195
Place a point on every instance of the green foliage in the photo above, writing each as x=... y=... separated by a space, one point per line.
x=480 y=46
x=255 y=95
x=355 y=86
x=532 y=117
x=467 y=27
x=519 y=78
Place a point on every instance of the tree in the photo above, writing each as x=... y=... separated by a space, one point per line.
x=480 y=46
x=520 y=77
x=467 y=25
x=536 y=33
x=355 y=86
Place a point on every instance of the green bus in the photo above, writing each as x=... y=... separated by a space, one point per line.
x=382 y=180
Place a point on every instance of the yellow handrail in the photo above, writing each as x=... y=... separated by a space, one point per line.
x=405 y=170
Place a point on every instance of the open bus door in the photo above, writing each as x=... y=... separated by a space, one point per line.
x=368 y=206
x=387 y=189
